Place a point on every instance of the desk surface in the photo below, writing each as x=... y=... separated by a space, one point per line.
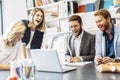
x=86 y=72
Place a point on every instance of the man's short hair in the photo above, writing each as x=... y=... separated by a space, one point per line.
x=103 y=12
x=75 y=17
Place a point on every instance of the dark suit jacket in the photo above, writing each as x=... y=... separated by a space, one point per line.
x=37 y=37
x=87 y=49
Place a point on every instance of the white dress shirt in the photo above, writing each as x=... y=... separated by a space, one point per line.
x=31 y=37
x=77 y=43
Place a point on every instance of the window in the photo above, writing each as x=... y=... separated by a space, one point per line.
x=1 y=19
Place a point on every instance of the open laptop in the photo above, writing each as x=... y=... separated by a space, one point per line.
x=48 y=60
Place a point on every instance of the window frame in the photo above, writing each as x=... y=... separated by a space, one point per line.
x=1 y=18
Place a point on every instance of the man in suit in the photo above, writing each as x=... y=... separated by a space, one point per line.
x=107 y=39
x=80 y=44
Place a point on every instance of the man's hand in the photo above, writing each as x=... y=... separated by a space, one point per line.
x=107 y=60
x=70 y=59
x=73 y=59
x=76 y=59
x=99 y=60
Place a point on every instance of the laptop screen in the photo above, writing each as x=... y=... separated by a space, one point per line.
x=46 y=60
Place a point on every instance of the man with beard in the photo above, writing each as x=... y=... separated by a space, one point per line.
x=80 y=44
x=107 y=39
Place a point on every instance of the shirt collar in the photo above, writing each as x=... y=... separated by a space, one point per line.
x=112 y=31
x=80 y=36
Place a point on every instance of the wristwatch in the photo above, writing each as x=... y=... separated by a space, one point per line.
x=117 y=60
x=113 y=68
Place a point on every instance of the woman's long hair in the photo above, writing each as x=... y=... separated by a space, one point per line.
x=41 y=26
x=12 y=30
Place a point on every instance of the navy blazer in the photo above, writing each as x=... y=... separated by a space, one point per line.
x=37 y=37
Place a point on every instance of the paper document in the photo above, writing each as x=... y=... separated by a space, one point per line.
x=79 y=63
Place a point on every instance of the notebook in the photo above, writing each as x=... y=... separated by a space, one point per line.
x=48 y=60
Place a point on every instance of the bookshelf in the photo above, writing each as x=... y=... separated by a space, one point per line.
x=58 y=12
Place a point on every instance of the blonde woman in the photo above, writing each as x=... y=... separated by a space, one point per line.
x=10 y=44
x=33 y=36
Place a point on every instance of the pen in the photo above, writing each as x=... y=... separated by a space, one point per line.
x=29 y=72
x=18 y=72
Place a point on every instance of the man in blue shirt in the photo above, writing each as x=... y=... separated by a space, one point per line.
x=109 y=44
x=107 y=39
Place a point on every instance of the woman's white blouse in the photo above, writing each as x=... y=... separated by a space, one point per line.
x=9 y=54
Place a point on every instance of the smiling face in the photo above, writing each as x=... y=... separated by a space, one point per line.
x=75 y=27
x=38 y=17
x=103 y=20
x=102 y=23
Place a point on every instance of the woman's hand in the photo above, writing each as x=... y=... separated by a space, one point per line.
x=4 y=67
x=114 y=63
x=103 y=68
